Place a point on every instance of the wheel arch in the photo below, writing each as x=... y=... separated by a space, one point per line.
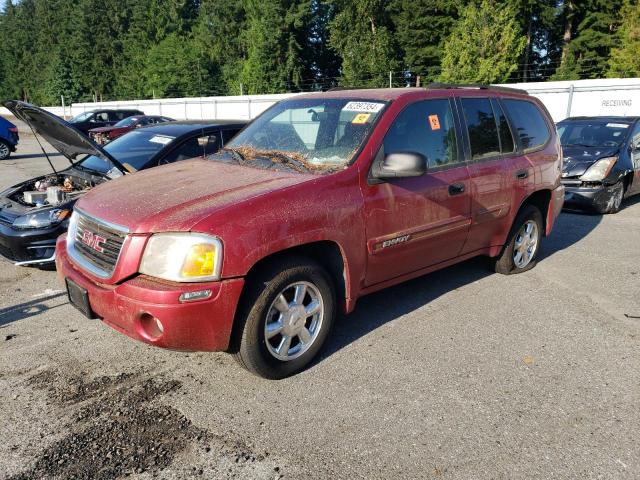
x=327 y=253
x=541 y=199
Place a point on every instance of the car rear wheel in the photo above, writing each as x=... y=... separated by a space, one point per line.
x=5 y=150
x=284 y=319
x=614 y=203
x=523 y=244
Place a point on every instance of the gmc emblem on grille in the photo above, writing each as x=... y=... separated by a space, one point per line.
x=93 y=240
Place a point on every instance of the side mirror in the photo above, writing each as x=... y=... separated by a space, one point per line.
x=401 y=165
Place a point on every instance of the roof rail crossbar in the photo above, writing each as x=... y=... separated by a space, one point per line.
x=436 y=85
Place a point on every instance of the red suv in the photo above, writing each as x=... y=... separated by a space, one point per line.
x=324 y=198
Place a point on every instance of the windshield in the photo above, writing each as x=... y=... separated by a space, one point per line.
x=81 y=118
x=310 y=135
x=127 y=122
x=592 y=134
x=135 y=148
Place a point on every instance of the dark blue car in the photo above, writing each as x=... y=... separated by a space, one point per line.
x=8 y=138
x=601 y=161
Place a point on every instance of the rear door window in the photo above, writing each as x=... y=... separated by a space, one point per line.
x=425 y=127
x=100 y=117
x=482 y=128
x=529 y=123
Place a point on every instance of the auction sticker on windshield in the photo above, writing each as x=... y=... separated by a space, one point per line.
x=161 y=139
x=363 y=107
x=618 y=125
x=361 y=118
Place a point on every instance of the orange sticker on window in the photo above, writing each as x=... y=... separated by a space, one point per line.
x=360 y=118
x=434 y=121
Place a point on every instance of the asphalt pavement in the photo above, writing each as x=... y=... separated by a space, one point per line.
x=461 y=374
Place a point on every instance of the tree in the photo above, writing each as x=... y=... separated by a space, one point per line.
x=538 y=23
x=219 y=34
x=590 y=27
x=362 y=35
x=173 y=68
x=484 y=46
x=625 y=58
x=276 y=36
x=422 y=26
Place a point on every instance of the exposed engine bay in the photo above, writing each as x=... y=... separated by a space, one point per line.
x=52 y=190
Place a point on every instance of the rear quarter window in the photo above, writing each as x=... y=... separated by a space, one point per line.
x=528 y=123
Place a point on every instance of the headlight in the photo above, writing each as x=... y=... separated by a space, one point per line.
x=41 y=219
x=599 y=170
x=182 y=257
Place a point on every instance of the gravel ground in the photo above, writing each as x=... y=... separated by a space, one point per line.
x=459 y=374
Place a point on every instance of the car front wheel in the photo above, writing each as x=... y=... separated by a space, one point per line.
x=285 y=318
x=523 y=244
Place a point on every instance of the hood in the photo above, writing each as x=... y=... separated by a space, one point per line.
x=62 y=136
x=578 y=159
x=176 y=197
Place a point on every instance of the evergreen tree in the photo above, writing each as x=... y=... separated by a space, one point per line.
x=625 y=57
x=422 y=26
x=173 y=69
x=538 y=23
x=323 y=63
x=589 y=35
x=219 y=35
x=484 y=46
x=276 y=37
x=362 y=34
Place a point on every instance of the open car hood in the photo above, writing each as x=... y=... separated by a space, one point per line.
x=62 y=135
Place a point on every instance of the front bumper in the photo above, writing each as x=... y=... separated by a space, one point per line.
x=33 y=246
x=132 y=307
x=588 y=198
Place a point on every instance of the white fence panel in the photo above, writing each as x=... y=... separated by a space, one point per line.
x=612 y=96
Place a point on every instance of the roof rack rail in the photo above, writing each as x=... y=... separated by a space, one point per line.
x=340 y=89
x=478 y=86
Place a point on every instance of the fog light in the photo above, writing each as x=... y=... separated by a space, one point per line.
x=194 y=296
x=151 y=325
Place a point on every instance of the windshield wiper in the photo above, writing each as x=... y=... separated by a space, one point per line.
x=579 y=145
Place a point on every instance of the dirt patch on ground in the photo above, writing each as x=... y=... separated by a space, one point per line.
x=118 y=427
x=119 y=430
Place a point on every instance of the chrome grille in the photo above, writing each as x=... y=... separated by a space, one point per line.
x=104 y=254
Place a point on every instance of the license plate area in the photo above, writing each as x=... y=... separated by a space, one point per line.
x=79 y=298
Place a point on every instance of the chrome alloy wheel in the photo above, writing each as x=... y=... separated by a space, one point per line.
x=526 y=244
x=294 y=320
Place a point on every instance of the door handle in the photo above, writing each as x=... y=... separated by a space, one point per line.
x=522 y=174
x=456 y=188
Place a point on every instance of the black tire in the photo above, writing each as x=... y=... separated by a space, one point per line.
x=249 y=341
x=505 y=262
x=615 y=200
x=5 y=150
